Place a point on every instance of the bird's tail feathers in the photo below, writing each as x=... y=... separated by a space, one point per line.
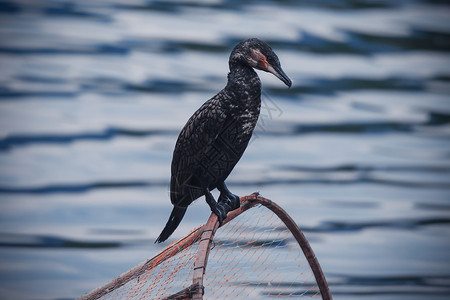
x=174 y=220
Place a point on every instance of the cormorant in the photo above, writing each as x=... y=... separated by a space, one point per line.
x=215 y=137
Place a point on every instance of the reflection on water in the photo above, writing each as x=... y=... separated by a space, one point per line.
x=94 y=93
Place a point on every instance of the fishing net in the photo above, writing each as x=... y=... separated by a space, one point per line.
x=258 y=253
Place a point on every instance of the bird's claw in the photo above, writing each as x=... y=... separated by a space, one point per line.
x=231 y=201
x=226 y=203
x=221 y=212
x=236 y=202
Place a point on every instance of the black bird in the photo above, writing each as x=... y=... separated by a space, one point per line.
x=215 y=137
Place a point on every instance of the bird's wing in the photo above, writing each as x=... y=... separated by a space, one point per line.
x=199 y=133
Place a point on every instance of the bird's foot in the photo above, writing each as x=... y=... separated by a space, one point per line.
x=229 y=200
x=220 y=211
x=218 y=208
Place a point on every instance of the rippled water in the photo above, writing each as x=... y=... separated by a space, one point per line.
x=94 y=93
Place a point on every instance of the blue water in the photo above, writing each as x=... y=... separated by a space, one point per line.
x=94 y=93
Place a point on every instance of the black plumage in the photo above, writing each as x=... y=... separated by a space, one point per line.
x=215 y=137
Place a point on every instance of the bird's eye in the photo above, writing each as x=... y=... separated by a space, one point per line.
x=271 y=60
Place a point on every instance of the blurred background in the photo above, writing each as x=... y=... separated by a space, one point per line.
x=94 y=93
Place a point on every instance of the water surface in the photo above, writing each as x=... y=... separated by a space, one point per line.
x=93 y=95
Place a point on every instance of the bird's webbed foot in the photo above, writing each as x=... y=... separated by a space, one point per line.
x=229 y=200
x=216 y=207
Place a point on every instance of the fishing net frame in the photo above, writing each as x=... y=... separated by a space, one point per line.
x=204 y=235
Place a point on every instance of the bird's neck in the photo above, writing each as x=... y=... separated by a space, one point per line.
x=243 y=82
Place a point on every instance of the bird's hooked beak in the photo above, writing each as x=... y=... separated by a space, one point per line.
x=259 y=61
x=279 y=73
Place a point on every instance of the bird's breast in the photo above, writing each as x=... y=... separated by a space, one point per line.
x=248 y=120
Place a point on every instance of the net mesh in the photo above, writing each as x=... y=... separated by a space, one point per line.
x=252 y=256
x=167 y=276
x=255 y=256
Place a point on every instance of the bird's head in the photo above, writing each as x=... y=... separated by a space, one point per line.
x=257 y=54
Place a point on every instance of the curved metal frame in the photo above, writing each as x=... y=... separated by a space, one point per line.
x=205 y=236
